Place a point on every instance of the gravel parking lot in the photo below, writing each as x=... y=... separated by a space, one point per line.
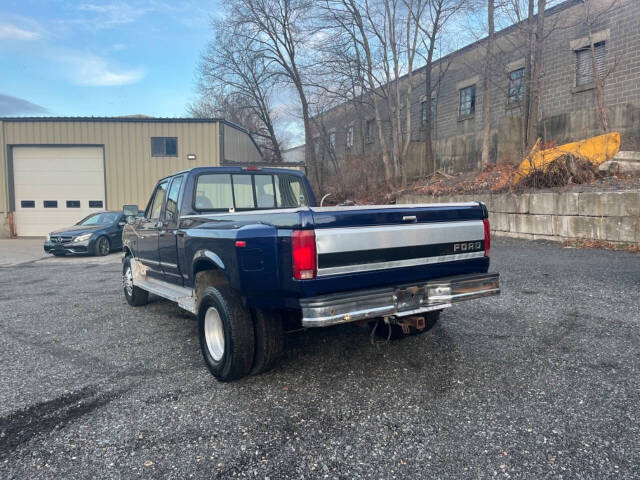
x=541 y=382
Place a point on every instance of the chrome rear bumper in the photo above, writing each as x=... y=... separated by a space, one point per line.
x=396 y=301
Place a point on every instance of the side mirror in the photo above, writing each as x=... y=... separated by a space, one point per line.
x=130 y=210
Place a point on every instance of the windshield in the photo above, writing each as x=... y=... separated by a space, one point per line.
x=103 y=218
x=224 y=191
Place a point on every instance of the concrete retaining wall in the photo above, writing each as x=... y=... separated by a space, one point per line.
x=608 y=216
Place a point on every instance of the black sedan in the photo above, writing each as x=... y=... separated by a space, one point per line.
x=97 y=234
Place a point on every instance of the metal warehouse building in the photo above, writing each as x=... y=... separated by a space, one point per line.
x=55 y=171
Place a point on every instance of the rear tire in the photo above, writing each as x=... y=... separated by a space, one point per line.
x=226 y=333
x=135 y=296
x=269 y=340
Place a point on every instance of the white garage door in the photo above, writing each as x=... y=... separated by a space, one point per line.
x=56 y=187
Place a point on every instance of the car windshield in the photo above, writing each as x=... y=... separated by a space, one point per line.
x=103 y=218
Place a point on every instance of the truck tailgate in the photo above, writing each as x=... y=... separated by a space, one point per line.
x=363 y=239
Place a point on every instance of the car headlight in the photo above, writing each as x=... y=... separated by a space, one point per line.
x=83 y=238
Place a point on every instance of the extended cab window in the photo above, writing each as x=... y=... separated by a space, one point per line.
x=246 y=191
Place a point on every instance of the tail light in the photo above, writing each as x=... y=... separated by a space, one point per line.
x=303 y=253
x=487 y=237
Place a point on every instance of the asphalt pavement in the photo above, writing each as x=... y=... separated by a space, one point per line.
x=541 y=382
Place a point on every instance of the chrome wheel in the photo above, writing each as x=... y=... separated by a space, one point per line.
x=127 y=280
x=214 y=333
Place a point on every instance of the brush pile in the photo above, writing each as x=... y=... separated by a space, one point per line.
x=567 y=169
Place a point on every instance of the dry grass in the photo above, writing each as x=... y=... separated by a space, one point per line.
x=600 y=244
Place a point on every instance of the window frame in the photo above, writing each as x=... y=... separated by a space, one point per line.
x=350 y=140
x=587 y=49
x=370 y=135
x=165 y=154
x=332 y=141
x=304 y=186
x=164 y=210
x=432 y=112
x=153 y=197
x=472 y=102
x=520 y=97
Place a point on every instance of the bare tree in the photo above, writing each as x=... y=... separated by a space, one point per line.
x=438 y=14
x=593 y=15
x=239 y=83
x=279 y=31
x=487 y=86
x=536 y=76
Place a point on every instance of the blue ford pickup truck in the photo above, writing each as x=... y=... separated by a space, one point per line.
x=251 y=255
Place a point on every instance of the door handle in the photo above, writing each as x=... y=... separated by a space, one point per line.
x=410 y=218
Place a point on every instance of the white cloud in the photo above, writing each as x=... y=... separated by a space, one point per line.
x=113 y=14
x=92 y=71
x=11 y=32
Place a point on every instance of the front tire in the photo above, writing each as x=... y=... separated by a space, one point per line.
x=135 y=296
x=102 y=247
x=226 y=333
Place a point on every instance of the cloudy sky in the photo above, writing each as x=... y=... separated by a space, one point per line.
x=100 y=57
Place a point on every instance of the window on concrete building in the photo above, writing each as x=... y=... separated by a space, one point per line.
x=28 y=203
x=164 y=147
x=516 y=86
x=332 y=141
x=95 y=204
x=73 y=203
x=371 y=128
x=350 y=136
x=467 y=101
x=50 y=204
x=432 y=112
x=584 y=64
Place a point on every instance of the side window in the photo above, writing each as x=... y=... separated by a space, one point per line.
x=243 y=191
x=171 y=210
x=290 y=192
x=155 y=207
x=265 y=195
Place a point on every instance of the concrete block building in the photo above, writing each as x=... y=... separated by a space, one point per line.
x=55 y=171
x=568 y=105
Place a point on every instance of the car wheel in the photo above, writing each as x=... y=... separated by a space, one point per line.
x=269 y=340
x=102 y=247
x=382 y=330
x=226 y=333
x=135 y=296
